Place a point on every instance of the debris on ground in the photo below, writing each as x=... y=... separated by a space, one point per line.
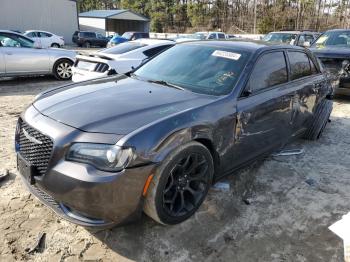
x=289 y=152
x=311 y=182
x=39 y=245
x=222 y=186
x=247 y=200
x=4 y=174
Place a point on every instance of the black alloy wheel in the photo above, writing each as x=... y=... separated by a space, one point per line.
x=180 y=184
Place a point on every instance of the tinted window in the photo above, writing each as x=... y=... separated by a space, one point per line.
x=123 y=48
x=280 y=37
x=270 y=70
x=334 y=38
x=212 y=36
x=9 y=40
x=153 y=51
x=221 y=35
x=299 y=64
x=43 y=34
x=88 y=34
x=32 y=34
x=199 y=68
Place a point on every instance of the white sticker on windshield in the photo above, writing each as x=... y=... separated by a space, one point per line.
x=225 y=54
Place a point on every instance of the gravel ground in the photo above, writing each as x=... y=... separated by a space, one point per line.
x=290 y=202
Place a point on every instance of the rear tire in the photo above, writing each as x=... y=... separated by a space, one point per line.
x=62 y=69
x=320 y=120
x=180 y=184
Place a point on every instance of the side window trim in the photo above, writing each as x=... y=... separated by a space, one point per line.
x=271 y=87
x=289 y=66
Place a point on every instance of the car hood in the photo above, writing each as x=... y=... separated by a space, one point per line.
x=116 y=105
x=331 y=52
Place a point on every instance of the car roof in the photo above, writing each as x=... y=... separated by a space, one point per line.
x=338 y=30
x=152 y=41
x=243 y=44
x=28 y=31
x=293 y=32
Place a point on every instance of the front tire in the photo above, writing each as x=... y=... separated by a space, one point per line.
x=62 y=69
x=54 y=45
x=180 y=184
x=320 y=120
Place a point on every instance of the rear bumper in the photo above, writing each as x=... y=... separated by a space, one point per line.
x=79 y=75
x=78 y=192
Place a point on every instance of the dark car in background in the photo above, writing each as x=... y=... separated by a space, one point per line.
x=127 y=36
x=298 y=38
x=100 y=152
x=333 y=49
x=88 y=39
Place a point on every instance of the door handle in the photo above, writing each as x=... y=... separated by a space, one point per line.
x=8 y=53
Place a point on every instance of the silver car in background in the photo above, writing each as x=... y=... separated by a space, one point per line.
x=20 y=56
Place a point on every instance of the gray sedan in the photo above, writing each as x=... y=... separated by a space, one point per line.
x=19 y=55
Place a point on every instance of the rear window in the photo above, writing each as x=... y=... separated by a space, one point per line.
x=88 y=34
x=123 y=48
x=299 y=64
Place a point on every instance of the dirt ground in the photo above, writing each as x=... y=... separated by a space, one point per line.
x=292 y=201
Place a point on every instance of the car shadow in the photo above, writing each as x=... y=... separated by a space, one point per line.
x=134 y=240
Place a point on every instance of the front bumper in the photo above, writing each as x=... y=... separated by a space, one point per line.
x=78 y=192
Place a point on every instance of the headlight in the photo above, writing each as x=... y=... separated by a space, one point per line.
x=102 y=156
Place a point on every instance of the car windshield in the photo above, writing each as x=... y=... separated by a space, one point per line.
x=127 y=35
x=123 y=48
x=205 y=69
x=334 y=39
x=279 y=37
x=15 y=41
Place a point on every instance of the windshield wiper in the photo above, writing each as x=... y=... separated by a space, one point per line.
x=165 y=83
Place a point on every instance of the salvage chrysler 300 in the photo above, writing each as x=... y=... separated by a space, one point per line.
x=101 y=152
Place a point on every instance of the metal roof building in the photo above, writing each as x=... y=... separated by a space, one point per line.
x=113 y=21
x=59 y=17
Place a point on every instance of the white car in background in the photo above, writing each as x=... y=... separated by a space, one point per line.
x=120 y=59
x=209 y=35
x=45 y=39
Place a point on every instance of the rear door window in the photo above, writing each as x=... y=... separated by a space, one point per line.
x=299 y=64
x=221 y=36
x=156 y=50
x=270 y=70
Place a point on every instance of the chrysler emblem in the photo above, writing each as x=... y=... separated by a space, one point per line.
x=30 y=138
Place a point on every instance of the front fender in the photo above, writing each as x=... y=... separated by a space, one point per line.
x=209 y=123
